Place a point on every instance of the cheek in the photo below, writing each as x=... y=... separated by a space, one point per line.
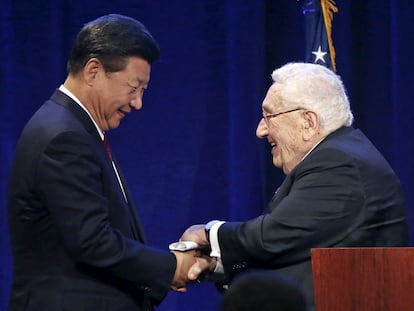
x=113 y=95
x=292 y=138
x=273 y=133
x=287 y=142
x=114 y=101
x=281 y=135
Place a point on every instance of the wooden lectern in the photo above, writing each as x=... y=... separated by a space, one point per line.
x=363 y=279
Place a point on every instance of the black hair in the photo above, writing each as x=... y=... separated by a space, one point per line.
x=112 y=39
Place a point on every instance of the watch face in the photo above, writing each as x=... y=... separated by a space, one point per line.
x=183 y=246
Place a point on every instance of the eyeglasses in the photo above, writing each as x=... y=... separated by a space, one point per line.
x=268 y=116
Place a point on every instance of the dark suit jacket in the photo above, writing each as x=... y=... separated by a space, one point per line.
x=76 y=243
x=342 y=194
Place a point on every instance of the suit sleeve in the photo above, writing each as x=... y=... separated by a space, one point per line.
x=70 y=175
x=324 y=204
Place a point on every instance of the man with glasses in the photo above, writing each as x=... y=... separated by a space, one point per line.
x=339 y=191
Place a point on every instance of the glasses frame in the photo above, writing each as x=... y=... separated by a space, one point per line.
x=268 y=116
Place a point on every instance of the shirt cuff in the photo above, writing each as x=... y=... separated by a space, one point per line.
x=213 y=227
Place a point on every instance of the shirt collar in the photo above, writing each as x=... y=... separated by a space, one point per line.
x=64 y=90
x=314 y=146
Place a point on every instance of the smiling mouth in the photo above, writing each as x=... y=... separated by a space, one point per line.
x=123 y=113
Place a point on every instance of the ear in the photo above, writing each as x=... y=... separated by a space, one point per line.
x=92 y=70
x=310 y=125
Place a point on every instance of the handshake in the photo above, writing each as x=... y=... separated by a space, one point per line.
x=193 y=260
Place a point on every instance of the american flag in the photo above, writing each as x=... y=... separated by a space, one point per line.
x=318 y=25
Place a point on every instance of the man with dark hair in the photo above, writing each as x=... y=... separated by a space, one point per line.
x=76 y=238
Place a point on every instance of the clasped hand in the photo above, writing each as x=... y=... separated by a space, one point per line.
x=192 y=264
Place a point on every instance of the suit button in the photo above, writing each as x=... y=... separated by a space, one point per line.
x=145 y=289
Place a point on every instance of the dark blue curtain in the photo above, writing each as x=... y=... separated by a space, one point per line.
x=191 y=154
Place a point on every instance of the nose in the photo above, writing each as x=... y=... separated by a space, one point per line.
x=136 y=103
x=261 y=130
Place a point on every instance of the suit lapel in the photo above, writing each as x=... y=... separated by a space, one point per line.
x=135 y=223
x=62 y=99
x=280 y=193
x=284 y=189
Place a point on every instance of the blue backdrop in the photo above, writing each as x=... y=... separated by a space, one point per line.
x=191 y=154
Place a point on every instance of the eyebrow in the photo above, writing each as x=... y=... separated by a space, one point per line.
x=138 y=81
x=265 y=108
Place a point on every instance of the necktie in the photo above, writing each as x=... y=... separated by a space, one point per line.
x=108 y=149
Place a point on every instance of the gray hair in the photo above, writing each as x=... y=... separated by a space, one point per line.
x=316 y=88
